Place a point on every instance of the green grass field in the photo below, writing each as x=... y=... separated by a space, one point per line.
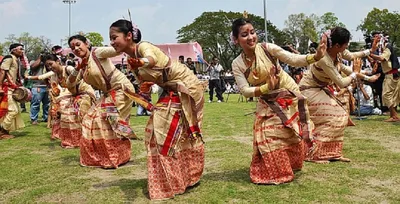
x=34 y=169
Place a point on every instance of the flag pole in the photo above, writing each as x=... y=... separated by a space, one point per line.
x=265 y=20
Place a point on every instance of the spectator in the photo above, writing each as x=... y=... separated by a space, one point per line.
x=190 y=64
x=145 y=91
x=39 y=92
x=214 y=83
x=57 y=50
x=181 y=59
x=366 y=100
x=70 y=60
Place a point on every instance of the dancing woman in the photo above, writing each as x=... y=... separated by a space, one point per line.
x=282 y=119
x=175 y=158
x=69 y=104
x=326 y=111
x=105 y=128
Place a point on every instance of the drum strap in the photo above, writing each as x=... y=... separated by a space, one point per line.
x=11 y=84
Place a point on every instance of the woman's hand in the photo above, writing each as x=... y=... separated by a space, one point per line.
x=375 y=44
x=82 y=64
x=374 y=78
x=357 y=65
x=145 y=87
x=135 y=63
x=273 y=81
x=321 y=49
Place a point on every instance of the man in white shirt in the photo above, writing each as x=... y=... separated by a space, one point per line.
x=214 y=83
x=366 y=100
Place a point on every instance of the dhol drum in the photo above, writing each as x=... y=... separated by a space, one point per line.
x=22 y=95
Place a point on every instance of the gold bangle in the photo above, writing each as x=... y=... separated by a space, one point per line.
x=264 y=89
x=310 y=59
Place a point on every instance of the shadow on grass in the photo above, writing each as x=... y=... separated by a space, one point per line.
x=70 y=160
x=130 y=187
x=19 y=133
x=238 y=175
x=52 y=144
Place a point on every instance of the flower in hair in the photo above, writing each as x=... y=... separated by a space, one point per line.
x=232 y=39
x=135 y=31
x=328 y=36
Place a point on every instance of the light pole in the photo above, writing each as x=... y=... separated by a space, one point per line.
x=265 y=20
x=69 y=2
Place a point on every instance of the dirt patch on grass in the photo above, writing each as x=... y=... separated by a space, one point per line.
x=315 y=176
x=107 y=177
x=388 y=140
x=364 y=166
x=391 y=144
x=62 y=198
x=211 y=165
x=6 y=195
x=382 y=183
x=365 y=195
x=243 y=139
x=376 y=190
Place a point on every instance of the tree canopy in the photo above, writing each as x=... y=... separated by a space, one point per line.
x=33 y=45
x=95 y=38
x=302 y=28
x=212 y=30
x=382 y=20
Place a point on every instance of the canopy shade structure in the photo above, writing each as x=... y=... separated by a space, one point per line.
x=173 y=50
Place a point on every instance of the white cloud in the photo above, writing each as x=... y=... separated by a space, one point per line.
x=12 y=9
x=148 y=17
x=140 y=14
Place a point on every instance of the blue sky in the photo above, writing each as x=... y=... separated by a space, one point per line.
x=160 y=19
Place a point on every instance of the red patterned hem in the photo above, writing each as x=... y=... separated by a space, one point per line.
x=104 y=153
x=169 y=176
x=296 y=155
x=325 y=151
x=277 y=167
x=55 y=131
x=70 y=138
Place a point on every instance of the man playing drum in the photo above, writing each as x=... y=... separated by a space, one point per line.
x=10 y=79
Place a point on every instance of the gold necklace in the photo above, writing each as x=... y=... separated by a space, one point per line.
x=252 y=65
x=247 y=58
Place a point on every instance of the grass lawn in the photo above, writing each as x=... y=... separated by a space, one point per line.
x=35 y=169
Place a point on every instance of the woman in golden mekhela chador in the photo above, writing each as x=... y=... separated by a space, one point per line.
x=69 y=104
x=327 y=112
x=282 y=120
x=175 y=158
x=105 y=128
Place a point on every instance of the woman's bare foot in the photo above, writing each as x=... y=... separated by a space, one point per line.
x=319 y=161
x=392 y=120
x=6 y=136
x=350 y=122
x=342 y=159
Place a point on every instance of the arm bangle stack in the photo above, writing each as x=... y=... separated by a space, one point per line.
x=367 y=78
x=146 y=61
x=353 y=75
x=264 y=89
x=75 y=73
x=367 y=52
x=310 y=59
